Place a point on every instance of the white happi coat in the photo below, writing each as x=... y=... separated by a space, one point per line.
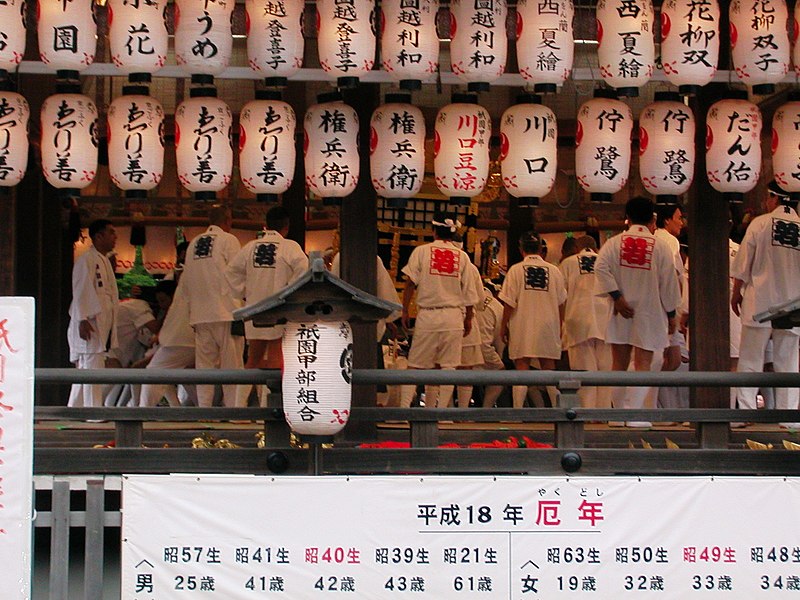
x=176 y=331
x=642 y=268
x=94 y=297
x=768 y=262
x=586 y=314
x=207 y=291
x=264 y=267
x=489 y=318
x=535 y=290
x=473 y=338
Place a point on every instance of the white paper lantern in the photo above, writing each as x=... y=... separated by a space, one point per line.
x=461 y=149
x=203 y=35
x=69 y=140
x=135 y=141
x=733 y=146
x=760 y=42
x=13 y=138
x=478 y=41
x=12 y=34
x=266 y=147
x=626 y=47
x=330 y=147
x=603 y=146
x=203 y=149
x=346 y=39
x=786 y=145
x=690 y=42
x=397 y=149
x=137 y=35
x=545 y=42
x=275 y=41
x=317 y=377
x=666 y=147
x=67 y=34
x=528 y=150
x=409 y=44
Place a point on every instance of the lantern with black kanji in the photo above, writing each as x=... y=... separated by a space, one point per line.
x=478 y=42
x=13 y=138
x=135 y=141
x=409 y=44
x=12 y=33
x=545 y=43
x=528 y=150
x=203 y=149
x=397 y=149
x=689 y=43
x=69 y=140
x=203 y=35
x=67 y=34
x=330 y=143
x=759 y=42
x=137 y=35
x=461 y=149
x=733 y=145
x=666 y=147
x=275 y=41
x=603 y=145
x=266 y=146
x=346 y=39
x=786 y=145
x=626 y=47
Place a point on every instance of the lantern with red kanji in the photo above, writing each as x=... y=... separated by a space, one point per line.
x=478 y=42
x=733 y=145
x=626 y=47
x=545 y=43
x=13 y=138
x=461 y=149
x=409 y=44
x=397 y=149
x=603 y=145
x=346 y=39
x=690 y=43
x=69 y=140
x=203 y=35
x=67 y=34
x=275 y=41
x=266 y=146
x=135 y=141
x=666 y=147
x=759 y=42
x=786 y=145
x=12 y=33
x=203 y=149
x=137 y=35
x=528 y=150
x=330 y=147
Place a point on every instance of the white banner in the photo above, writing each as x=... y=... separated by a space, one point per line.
x=459 y=537
x=16 y=444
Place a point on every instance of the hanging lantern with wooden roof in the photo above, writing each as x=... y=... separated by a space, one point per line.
x=275 y=42
x=528 y=150
x=137 y=35
x=733 y=145
x=12 y=32
x=759 y=42
x=786 y=144
x=346 y=39
x=266 y=146
x=203 y=35
x=626 y=46
x=666 y=147
x=409 y=43
x=13 y=137
x=67 y=34
x=603 y=145
x=690 y=43
x=397 y=149
x=545 y=43
x=478 y=42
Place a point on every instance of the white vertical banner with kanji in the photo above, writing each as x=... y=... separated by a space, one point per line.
x=453 y=537
x=16 y=444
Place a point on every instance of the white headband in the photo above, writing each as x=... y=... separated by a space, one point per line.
x=453 y=225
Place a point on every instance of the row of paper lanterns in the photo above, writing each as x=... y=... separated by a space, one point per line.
x=409 y=45
x=397 y=145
